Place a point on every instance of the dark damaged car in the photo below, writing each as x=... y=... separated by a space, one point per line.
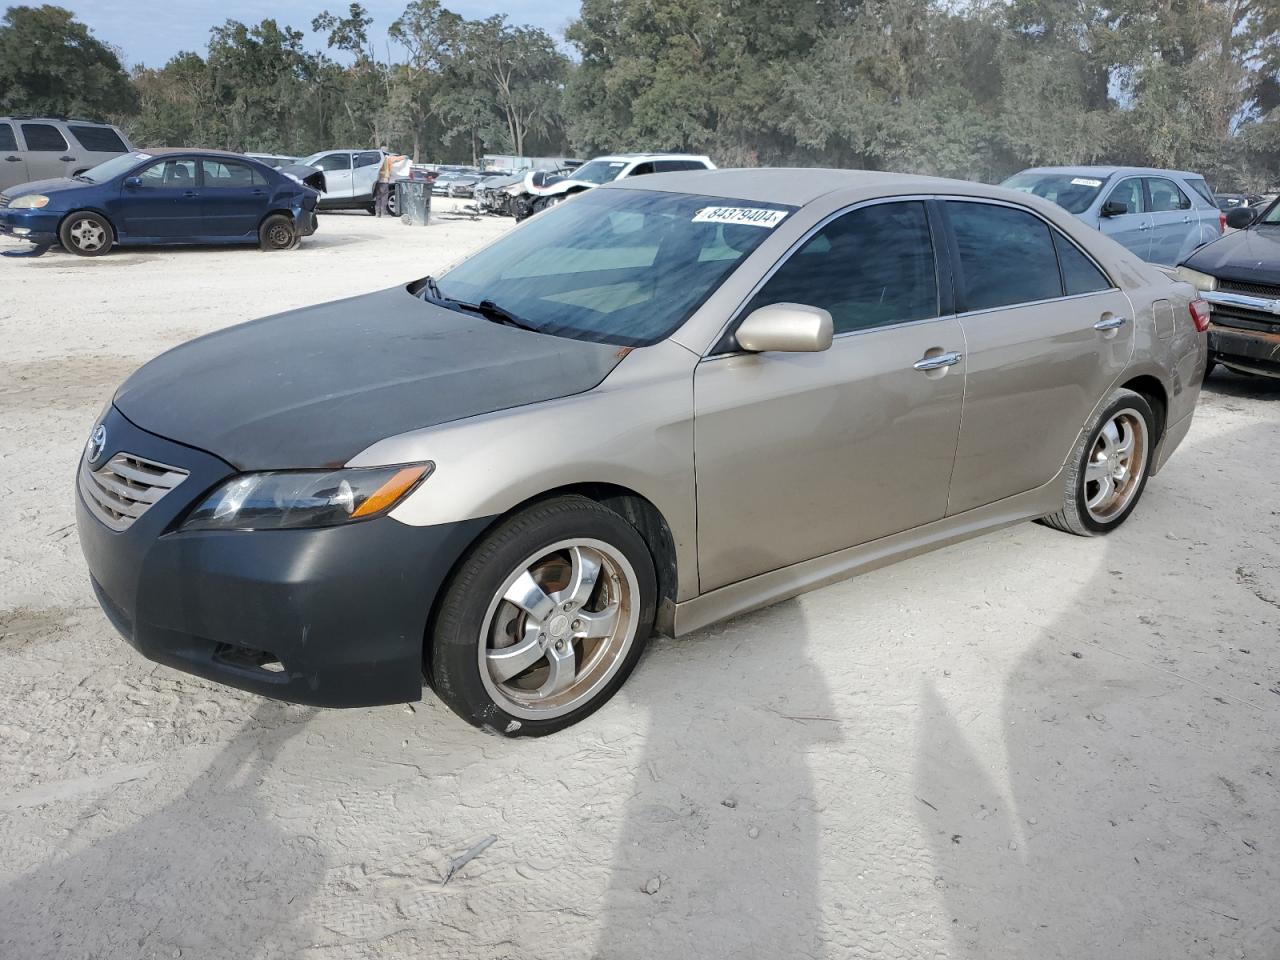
x=1239 y=275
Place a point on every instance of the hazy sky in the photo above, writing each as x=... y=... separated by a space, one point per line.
x=148 y=36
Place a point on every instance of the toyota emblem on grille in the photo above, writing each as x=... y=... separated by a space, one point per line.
x=97 y=443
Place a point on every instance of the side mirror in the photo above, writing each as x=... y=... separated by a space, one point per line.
x=786 y=328
x=1240 y=217
x=133 y=183
x=1114 y=208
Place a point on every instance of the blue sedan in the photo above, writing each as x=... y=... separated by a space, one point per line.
x=165 y=196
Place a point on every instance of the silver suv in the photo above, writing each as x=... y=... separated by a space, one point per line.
x=45 y=148
x=1161 y=215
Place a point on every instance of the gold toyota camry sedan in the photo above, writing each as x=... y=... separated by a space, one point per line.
x=660 y=404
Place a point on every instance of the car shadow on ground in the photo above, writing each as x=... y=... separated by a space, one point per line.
x=1121 y=820
x=1228 y=383
x=208 y=868
x=720 y=840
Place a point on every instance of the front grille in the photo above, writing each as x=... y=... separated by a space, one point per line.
x=125 y=487
x=1244 y=319
x=1251 y=289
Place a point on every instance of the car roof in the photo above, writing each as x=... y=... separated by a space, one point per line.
x=28 y=116
x=164 y=151
x=1109 y=171
x=797 y=186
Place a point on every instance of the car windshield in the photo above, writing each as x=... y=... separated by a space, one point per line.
x=1074 y=192
x=614 y=266
x=1272 y=214
x=599 y=171
x=110 y=169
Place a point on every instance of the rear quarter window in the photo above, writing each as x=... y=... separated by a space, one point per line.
x=1200 y=186
x=98 y=139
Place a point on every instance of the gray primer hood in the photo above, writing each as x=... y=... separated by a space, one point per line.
x=314 y=387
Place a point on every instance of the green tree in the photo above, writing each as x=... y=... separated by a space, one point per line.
x=51 y=64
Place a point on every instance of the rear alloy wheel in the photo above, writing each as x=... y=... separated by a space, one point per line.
x=278 y=233
x=544 y=619
x=86 y=234
x=1109 y=467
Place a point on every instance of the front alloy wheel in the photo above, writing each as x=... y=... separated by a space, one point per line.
x=559 y=629
x=544 y=618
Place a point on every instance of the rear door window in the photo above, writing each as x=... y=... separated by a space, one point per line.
x=7 y=140
x=1007 y=255
x=641 y=169
x=98 y=139
x=43 y=137
x=1166 y=196
x=227 y=174
x=368 y=158
x=871 y=267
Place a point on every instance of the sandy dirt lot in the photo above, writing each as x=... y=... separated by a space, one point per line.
x=1025 y=746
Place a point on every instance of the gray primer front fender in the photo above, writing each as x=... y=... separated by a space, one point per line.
x=634 y=430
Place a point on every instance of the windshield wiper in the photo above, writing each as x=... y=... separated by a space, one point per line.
x=486 y=308
x=81 y=176
x=491 y=311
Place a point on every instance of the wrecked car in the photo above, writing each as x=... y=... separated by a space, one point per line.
x=1239 y=275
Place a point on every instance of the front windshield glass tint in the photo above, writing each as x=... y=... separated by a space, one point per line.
x=615 y=266
x=599 y=171
x=1074 y=192
x=112 y=168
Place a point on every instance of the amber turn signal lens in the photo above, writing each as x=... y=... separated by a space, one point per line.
x=391 y=491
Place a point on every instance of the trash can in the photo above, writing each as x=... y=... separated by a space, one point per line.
x=413 y=201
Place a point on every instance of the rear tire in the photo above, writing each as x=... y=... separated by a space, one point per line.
x=588 y=597
x=1108 y=468
x=86 y=234
x=278 y=233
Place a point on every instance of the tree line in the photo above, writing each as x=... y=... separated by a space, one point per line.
x=975 y=90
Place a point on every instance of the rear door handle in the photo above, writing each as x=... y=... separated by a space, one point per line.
x=941 y=360
x=14 y=159
x=1145 y=226
x=189 y=193
x=1110 y=323
x=67 y=159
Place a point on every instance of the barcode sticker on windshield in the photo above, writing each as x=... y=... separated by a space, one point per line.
x=1086 y=182
x=741 y=216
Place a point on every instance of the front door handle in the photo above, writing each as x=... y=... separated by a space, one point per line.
x=189 y=193
x=936 y=363
x=14 y=159
x=67 y=159
x=1110 y=323
x=1145 y=226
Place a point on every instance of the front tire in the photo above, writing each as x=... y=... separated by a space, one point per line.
x=544 y=619
x=278 y=233
x=1109 y=467
x=86 y=234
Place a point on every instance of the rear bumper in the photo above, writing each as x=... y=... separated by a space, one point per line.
x=332 y=617
x=38 y=226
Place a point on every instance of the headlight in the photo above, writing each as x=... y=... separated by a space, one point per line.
x=1201 y=281
x=32 y=201
x=305 y=498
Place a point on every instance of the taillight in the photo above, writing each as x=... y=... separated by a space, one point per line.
x=1222 y=223
x=1200 y=314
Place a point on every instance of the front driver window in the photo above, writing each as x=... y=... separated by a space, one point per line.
x=335 y=161
x=169 y=174
x=1129 y=194
x=869 y=268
